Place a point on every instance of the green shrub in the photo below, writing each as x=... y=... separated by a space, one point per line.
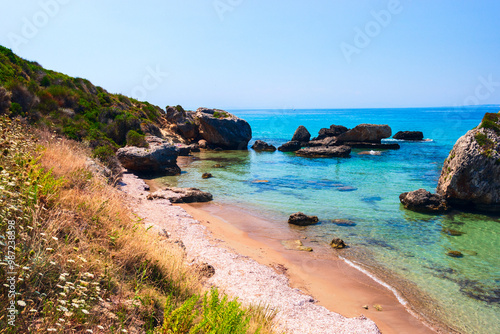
x=45 y=81
x=136 y=139
x=490 y=121
x=483 y=140
x=16 y=109
x=220 y=114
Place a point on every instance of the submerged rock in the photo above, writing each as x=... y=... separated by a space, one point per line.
x=422 y=200
x=325 y=152
x=290 y=146
x=301 y=135
x=337 y=243
x=295 y=245
x=302 y=219
x=206 y=175
x=181 y=195
x=454 y=254
x=409 y=135
x=222 y=129
x=370 y=133
x=158 y=158
x=471 y=174
x=260 y=145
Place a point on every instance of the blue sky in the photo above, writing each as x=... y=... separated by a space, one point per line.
x=239 y=54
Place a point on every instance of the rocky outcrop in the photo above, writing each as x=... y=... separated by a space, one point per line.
x=409 y=135
x=393 y=146
x=302 y=219
x=159 y=158
x=222 y=129
x=324 y=152
x=181 y=195
x=370 y=133
x=333 y=131
x=471 y=174
x=301 y=135
x=422 y=200
x=328 y=141
x=182 y=122
x=260 y=145
x=290 y=146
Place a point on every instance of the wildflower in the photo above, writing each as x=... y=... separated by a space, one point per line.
x=81 y=258
x=55 y=238
x=62 y=278
x=58 y=324
x=61 y=320
x=33 y=310
x=68 y=314
x=49 y=249
x=85 y=311
x=124 y=331
x=70 y=260
x=52 y=263
x=62 y=301
x=62 y=294
x=100 y=327
x=43 y=234
x=75 y=305
x=89 y=331
x=21 y=303
x=51 y=330
x=26 y=268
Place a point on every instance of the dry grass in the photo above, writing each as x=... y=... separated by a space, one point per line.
x=86 y=263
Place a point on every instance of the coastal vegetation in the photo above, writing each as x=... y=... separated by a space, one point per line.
x=73 y=256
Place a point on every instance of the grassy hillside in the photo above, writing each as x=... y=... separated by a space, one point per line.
x=73 y=107
x=73 y=257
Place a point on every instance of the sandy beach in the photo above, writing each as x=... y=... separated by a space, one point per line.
x=312 y=294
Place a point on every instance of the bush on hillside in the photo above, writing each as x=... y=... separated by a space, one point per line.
x=5 y=96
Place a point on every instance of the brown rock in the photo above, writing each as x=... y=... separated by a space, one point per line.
x=301 y=219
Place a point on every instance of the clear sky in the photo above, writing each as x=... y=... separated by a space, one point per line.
x=238 y=54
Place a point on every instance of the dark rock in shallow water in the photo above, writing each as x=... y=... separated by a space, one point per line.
x=454 y=254
x=423 y=201
x=260 y=145
x=470 y=177
x=370 y=133
x=343 y=222
x=290 y=146
x=409 y=135
x=302 y=219
x=329 y=141
x=301 y=135
x=324 y=152
x=158 y=158
x=452 y=232
x=347 y=188
x=206 y=175
x=181 y=195
x=337 y=243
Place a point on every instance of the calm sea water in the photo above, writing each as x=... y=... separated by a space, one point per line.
x=408 y=249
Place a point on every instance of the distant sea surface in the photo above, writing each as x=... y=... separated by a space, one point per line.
x=406 y=249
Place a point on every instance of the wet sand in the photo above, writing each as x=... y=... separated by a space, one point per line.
x=335 y=284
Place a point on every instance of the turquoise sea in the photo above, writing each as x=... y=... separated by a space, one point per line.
x=405 y=249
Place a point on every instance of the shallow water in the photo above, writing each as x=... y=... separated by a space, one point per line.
x=364 y=190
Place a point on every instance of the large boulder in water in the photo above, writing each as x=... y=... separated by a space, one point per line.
x=290 y=146
x=302 y=219
x=422 y=200
x=325 y=152
x=369 y=133
x=409 y=135
x=301 y=135
x=222 y=129
x=333 y=131
x=158 y=158
x=471 y=173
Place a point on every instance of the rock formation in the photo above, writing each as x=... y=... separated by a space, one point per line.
x=260 y=145
x=370 y=133
x=422 y=200
x=222 y=129
x=324 y=152
x=301 y=135
x=158 y=158
x=337 y=243
x=333 y=131
x=290 y=146
x=181 y=195
x=182 y=122
x=409 y=135
x=471 y=173
x=302 y=219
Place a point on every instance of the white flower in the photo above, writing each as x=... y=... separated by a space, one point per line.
x=100 y=327
x=52 y=263
x=72 y=261
x=62 y=301
x=21 y=303
x=62 y=294
x=124 y=331
x=33 y=310
x=85 y=311
x=89 y=331
x=51 y=330
x=55 y=238
x=62 y=278
x=26 y=268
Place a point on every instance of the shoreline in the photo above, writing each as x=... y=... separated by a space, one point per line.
x=352 y=288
